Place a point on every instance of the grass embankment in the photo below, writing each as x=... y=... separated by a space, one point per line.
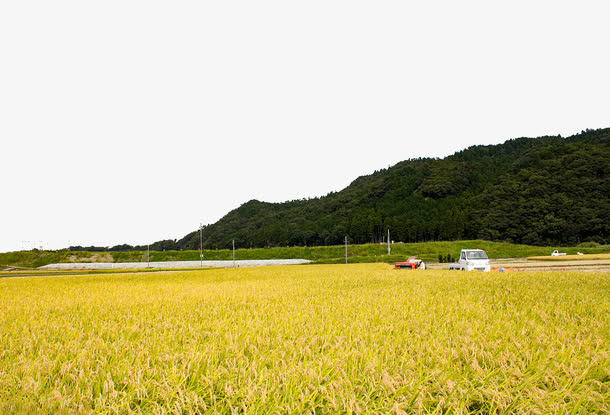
x=586 y=257
x=306 y=339
x=428 y=251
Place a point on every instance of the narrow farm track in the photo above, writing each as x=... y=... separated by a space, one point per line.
x=523 y=264
x=600 y=265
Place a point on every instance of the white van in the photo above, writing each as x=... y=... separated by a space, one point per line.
x=472 y=260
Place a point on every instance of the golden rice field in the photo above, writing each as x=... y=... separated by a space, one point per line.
x=361 y=338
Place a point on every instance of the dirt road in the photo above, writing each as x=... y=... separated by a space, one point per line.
x=523 y=264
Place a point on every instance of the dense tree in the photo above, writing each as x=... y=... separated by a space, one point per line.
x=546 y=190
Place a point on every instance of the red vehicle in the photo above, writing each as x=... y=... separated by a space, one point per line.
x=411 y=263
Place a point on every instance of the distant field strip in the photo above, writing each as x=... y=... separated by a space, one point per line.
x=322 y=339
x=586 y=257
x=587 y=264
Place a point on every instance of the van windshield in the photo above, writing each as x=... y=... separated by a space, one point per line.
x=476 y=255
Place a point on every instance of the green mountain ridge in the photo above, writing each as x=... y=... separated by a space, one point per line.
x=542 y=191
x=538 y=191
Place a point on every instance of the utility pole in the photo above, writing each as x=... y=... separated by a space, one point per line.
x=233 y=253
x=201 y=243
x=148 y=251
x=388 y=241
x=345 y=249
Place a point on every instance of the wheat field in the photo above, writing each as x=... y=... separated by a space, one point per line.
x=361 y=338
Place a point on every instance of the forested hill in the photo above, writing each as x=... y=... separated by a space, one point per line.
x=541 y=191
x=538 y=191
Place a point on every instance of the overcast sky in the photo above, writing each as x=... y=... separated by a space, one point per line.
x=134 y=121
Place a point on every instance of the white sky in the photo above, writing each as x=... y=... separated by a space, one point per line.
x=134 y=121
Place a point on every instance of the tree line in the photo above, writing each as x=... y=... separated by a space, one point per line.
x=539 y=191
